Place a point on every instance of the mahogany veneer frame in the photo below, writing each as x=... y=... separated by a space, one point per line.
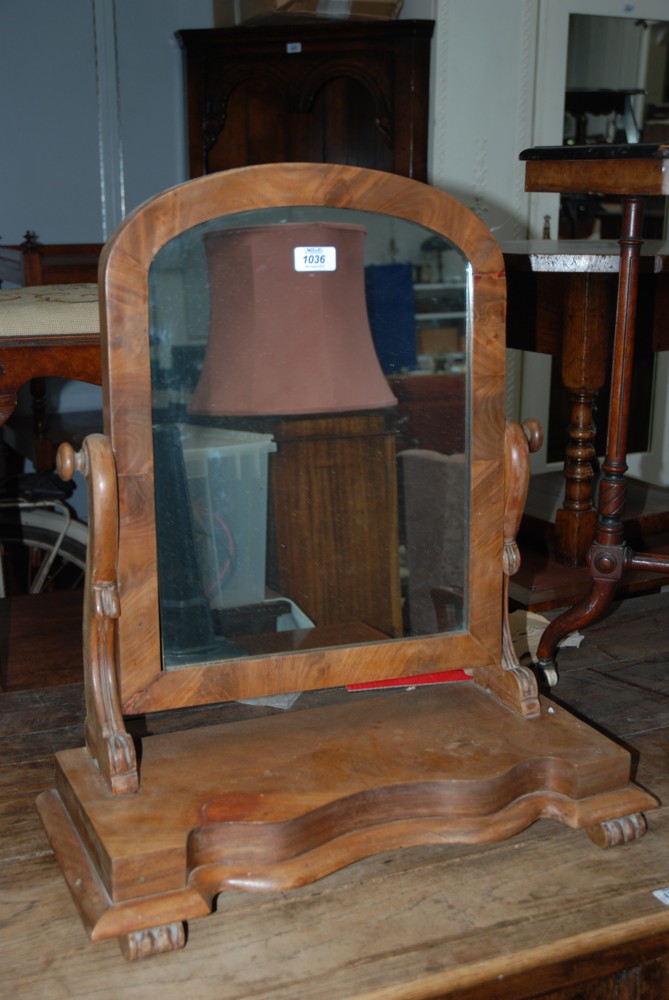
x=144 y=686
x=146 y=840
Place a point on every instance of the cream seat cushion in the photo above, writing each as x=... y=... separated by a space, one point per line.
x=56 y=310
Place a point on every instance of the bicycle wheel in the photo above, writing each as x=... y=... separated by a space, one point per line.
x=40 y=550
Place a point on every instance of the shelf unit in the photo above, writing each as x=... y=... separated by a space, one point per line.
x=440 y=317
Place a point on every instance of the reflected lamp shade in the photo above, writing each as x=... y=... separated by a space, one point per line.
x=288 y=332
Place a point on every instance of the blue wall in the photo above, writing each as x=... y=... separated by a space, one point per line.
x=92 y=106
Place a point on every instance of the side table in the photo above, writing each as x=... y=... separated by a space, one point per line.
x=633 y=172
x=561 y=301
x=47 y=330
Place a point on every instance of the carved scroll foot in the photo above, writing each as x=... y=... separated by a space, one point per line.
x=618 y=831
x=153 y=941
x=513 y=684
x=106 y=736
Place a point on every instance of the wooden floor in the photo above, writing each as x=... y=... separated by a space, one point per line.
x=544 y=914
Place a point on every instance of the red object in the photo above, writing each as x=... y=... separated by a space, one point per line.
x=443 y=677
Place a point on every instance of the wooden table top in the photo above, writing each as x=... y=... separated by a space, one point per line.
x=541 y=911
x=628 y=169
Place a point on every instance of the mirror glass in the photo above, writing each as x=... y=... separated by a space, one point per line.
x=617 y=91
x=310 y=392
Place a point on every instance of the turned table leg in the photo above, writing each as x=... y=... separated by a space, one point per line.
x=609 y=556
x=584 y=357
x=631 y=171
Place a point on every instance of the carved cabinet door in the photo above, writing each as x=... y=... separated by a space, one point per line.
x=326 y=92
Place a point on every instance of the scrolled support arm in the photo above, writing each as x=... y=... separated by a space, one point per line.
x=106 y=736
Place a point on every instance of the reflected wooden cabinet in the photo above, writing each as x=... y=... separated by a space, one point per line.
x=320 y=91
x=357 y=93
x=341 y=566
x=431 y=411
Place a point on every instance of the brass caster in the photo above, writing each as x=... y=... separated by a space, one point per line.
x=550 y=676
x=547 y=671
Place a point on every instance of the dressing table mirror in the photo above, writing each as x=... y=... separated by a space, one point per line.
x=256 y=532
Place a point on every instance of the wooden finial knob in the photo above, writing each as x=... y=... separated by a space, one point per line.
x=68 y=461
x=533 y=433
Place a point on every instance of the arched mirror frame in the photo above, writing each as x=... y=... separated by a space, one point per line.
x=144 y=685
x=146 y=841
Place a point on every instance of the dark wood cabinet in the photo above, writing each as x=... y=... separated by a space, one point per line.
x=317 y=91
x=338 y=92
x=431 y=411
x=338 y=564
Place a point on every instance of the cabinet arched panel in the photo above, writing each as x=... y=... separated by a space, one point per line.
x=334 y=92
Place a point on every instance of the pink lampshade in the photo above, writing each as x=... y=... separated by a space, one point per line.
x=284 y=340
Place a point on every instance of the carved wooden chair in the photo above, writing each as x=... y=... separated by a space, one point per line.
x=147 y=839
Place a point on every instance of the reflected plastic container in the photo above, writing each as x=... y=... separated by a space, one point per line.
x=227 y=474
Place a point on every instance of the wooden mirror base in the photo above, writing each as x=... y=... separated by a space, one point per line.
x=279 y=802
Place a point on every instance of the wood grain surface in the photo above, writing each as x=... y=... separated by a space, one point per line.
x=545 y=913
